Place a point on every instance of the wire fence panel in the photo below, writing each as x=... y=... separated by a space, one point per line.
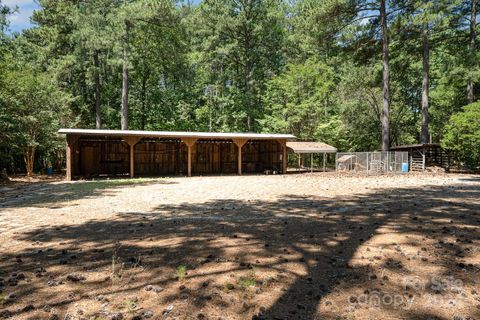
x=372 y=162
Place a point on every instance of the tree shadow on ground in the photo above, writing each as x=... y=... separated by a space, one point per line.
x=310 y=258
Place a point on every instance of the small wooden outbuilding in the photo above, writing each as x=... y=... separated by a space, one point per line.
x=94 y=152
x=423 y=155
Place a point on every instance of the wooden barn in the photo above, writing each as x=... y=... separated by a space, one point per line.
x=94 y=152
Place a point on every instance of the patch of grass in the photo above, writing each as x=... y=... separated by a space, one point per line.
x=92 y=185
x=2 y=298
x=181 y=272
x=245 y=282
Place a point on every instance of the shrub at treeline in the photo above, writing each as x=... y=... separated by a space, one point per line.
x=358 y=74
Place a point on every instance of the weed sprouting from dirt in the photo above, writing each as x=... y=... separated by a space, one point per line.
x=117 y=266
x=245 y=282
x=130 y=305
x=89 y=186
x=228 y=286
x=181 y=272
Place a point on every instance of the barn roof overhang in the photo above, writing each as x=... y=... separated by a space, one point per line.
x=310 y=147
x=175 y=134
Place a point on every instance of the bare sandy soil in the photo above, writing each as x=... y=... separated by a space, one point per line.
x=298 y=246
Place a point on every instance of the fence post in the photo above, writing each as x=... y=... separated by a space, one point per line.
x=368 y=163
x=388 y=162
x=336 y=162
x=324 y=162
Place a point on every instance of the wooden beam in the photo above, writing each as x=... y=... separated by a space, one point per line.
x=132 y=141
x=240 y=142
x=71 y=156
x=190 y=142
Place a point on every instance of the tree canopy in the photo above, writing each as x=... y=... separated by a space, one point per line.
x=359 y=74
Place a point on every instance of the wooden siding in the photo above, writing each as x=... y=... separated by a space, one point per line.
x=96 y=156
x=160 y=157
x=103 y=157
x=261 y=155
x=214 y=157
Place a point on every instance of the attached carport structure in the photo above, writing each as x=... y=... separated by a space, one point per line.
x=94 y=152
x=310 y=147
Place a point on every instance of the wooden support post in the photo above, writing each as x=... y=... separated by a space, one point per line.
x=283 y=144
x=132 y=141
x=190 y=142
x=69 y=161
x=240 y=143
x=71 y=156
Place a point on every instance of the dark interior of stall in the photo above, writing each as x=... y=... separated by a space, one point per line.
x=105 y=156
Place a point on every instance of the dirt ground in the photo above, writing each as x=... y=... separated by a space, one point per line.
x=297 y=246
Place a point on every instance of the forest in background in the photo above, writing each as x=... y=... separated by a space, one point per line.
x=361 y=75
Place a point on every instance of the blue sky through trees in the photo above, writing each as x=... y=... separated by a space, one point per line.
x=20 y=20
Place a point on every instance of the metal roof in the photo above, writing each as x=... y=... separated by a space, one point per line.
x=310 y=147
x=346 y=158
x=173 y=134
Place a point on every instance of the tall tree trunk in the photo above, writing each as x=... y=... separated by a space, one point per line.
x=424 y=136
x=473 y=40
x=247 y=97
x=98 y=110
x=143 y=101
x=29 y=156
x=386 y=80
x=124 y=113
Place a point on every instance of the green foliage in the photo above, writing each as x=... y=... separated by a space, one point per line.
x=239 y=46
x=34 y=108
x=307 y=67
x=245 y=282
x=181 y=272
x=462 y=135
x=298 y=99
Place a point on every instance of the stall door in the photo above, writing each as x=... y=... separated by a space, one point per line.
x=87 y=160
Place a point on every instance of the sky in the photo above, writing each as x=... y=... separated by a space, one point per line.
x=21 y=19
